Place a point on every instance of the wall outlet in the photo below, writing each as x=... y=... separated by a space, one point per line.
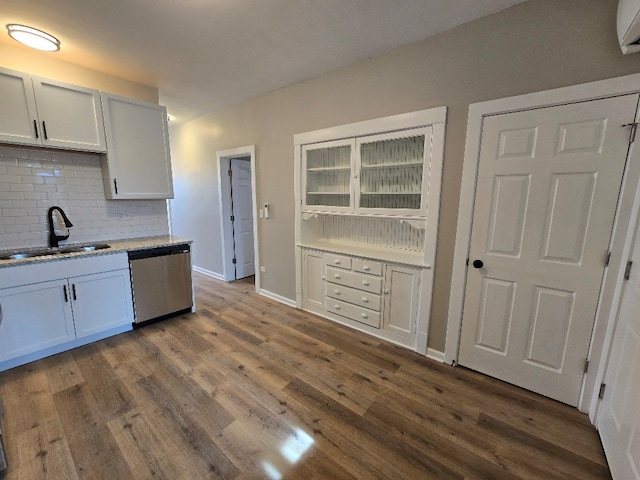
x=263 y=269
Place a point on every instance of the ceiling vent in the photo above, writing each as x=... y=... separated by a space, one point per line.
x=629 y=25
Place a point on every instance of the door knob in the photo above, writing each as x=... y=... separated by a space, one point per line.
x=478 y=264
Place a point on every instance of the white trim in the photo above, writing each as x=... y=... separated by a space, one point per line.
x=277 y=298
x=209 y=273
x=585 y=92
x=421 y=118
x=436 y=355
x=614 y=283
x=223 y=158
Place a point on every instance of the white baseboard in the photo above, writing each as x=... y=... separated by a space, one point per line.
x=209 y=273
x=277 y=298
x=436 y=355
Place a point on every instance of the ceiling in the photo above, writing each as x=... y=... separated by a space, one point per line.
x=203 y=55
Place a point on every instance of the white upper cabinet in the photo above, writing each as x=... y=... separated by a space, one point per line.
x=70 y=116
x=391 y=172
x=138 y=160
x=38 y=111
x=382 y=174
x=327 y=178
x=19 y=118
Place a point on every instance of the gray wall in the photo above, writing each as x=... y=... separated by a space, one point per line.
x=534 y=46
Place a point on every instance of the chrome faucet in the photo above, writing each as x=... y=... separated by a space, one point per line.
x=53 y=238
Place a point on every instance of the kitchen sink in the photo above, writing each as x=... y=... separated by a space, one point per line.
x=28 y=254
x=45 y=252
x=84 y=248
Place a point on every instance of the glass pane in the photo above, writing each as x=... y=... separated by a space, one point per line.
x=329 y=176
x=391 y=175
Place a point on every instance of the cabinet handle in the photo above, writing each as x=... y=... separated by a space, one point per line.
x=35 y=127
x=337 y=307
x=324 y=278
x=365 y=299
x=365 y=283
x=364 y=315
x=386 y=292
x=0 y=314
x=115 y=185
x=44 y=130
x=336 y=276
x=73 y=289
x=66 y=297
x=337 y=292
x=366 y=268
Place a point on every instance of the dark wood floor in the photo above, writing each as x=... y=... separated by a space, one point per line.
x=247 y=388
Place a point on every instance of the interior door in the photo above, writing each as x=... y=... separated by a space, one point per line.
x=619 y=418
x=546 y=196
x=242 y=213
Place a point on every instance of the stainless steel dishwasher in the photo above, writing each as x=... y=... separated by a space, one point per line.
x=161 y=282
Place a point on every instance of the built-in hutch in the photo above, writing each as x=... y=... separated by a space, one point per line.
x=367 y=204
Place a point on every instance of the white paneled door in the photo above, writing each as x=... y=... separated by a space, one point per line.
x=242 y=212
x=546 y=196
x=619 y=418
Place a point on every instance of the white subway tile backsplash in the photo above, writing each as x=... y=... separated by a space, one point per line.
x=34 y=179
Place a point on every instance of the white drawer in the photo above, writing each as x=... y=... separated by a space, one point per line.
x=339 y=261
x=355 y=280
x=362 y=315
x=367 y=266
x=351 y=295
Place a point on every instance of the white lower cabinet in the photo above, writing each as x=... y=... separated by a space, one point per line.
x=401 y=300
x=33 y=318
x=379 y=297
x=49 y=315
x=100 y=301
x=313 y=281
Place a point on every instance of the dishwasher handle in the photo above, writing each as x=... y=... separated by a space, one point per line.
x=158 y=252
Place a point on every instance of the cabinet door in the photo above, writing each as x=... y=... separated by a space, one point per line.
x=393 y=172
x=327 y=176
x=400 y=300
x=313 y=280
x=138 y=158
x=34 y=317
x=101 y=301
x=18 y=108
x=69 y=116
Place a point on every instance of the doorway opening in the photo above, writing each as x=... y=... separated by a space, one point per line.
x=238 y=215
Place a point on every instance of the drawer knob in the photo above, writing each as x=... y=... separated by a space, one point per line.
x=337 y=307
x=336 y=276
x=337 y=292
x=366 y=268
x=365 y=283
x=364 y=315
x=324 y=278
x=337 y=262
x=365 y=299
x=386 y=292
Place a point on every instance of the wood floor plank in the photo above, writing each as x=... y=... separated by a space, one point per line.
x=249 y=388
x=94 y=451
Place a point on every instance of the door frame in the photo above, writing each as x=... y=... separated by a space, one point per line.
x=224 y=191
x=612 y=282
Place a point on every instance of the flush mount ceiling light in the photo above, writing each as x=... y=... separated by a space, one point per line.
x=34 y=38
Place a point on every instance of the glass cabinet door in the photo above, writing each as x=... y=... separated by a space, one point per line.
x=392 y=170
x=327 y=175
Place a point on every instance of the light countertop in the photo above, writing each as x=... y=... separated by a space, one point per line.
x=115 y=246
